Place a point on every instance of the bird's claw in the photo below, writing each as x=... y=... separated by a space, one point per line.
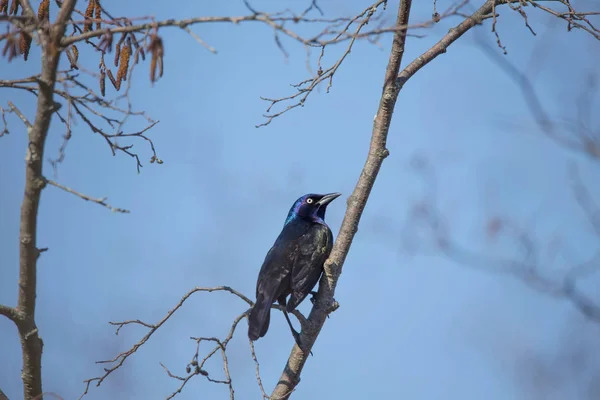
x=299 y=342
x=313 y=300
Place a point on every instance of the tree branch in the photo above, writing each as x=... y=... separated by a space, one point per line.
x=326 y=74
x=31 y=343
x=152 y=328
x=356 y=204
x=10 y=313
x=85 y=197
x=274 y=22
x=440 y=47
x=26 y=4
x=21 y=116
x=196 y=365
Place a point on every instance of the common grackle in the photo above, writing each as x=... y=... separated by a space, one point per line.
x=294 y=264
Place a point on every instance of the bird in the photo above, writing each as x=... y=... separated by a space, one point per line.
x=294 y=263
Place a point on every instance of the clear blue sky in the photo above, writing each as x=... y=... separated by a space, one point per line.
x=419 y=326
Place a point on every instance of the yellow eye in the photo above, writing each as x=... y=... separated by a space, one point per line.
x=309 y=200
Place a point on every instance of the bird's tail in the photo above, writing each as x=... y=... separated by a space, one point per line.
x=259 y=318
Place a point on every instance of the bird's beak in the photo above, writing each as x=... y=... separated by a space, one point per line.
x=328 y=198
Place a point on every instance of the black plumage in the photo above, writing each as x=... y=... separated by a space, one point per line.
x=294 y=264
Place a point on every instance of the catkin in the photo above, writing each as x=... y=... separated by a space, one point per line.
x=102 y=83
x=117 y=53
x=73 y=56
x=157 y=50
x=25 y=44
x=116 y=85
x=44 y=11
x=89 y=14
x=98 y=15
x=124 y=62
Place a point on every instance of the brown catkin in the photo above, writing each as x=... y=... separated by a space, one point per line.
x=75 y=53
x=160 y=66
x=98 y=15
x=25 y=44
x=117 y=53
x=73 y=56
x=157 y=50
x=89 y=14
x=44 y=11
x=118 y=48
x=70 y=57
x=102 y=83
x=124 y=62
x=117 y=85
x=153 y=67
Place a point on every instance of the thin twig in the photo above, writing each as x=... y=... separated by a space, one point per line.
x=199 y=40
x=101 y=201
x=20 y=115
x=260 y=385
x=120 y=358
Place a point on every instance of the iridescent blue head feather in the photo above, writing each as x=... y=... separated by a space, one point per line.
x=311 y=207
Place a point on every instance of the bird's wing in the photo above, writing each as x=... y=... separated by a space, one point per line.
x=314 y=248
x=274 y=276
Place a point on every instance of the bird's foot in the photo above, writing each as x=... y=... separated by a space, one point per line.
x=299 y=342
x=313 y=300
x=334 y=306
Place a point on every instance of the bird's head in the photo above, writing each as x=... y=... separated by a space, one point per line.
x=311 y=207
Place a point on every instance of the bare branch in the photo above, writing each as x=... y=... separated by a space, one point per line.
x=29 y=13
x=118 y=360
x=10 y=313
x=5 y=130
x=441 y=46
x=260 y=385
x=196 y=366
x=274 y=22
x=574 y=19
x=31 y=343
x=101 y=201
x=306 y=87
x=22 y=116
x=199 y=40
x=356 y=204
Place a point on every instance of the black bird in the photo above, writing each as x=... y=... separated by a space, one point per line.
x=294 y=264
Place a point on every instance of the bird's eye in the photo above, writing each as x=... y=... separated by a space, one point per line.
x=309 y=200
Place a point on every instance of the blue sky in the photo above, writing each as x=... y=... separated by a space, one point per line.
x=411 y=325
